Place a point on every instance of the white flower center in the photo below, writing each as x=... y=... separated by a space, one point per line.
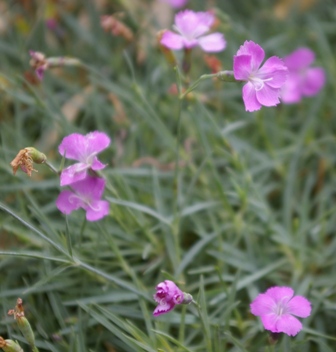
x=281 y=308
x=258 y=83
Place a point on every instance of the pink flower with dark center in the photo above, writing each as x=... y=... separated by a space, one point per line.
x=191 y=27
x=85 y=150
x=168 y=295
x=277 y=309
x=175 y=3
x=264 y=83
x=85 y=194
x=303 y=80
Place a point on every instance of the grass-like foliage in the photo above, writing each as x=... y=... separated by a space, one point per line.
x=223 y=202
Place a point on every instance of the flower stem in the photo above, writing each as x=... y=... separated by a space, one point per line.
x=51 y=167
x=226 y=76
x=175 y=229
x=205 y=330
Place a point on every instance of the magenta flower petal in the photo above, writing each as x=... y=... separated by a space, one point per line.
x=262 y=305
x=72 y=146
x=79 y=147
x=91 y=188
x=302 y=80
x=84 y=149
x=73 y=173
x=276 y=308
x=67 y=202
x=96 y=142
x=212 y=43
x=40 y=72
x=85 y=194
x=274 y=72
x=291 y=92
x=97 y=210
x=96 y=164
x=193 y=24
x=163 y=308
x=268 y=96
x=255 y=51
x=299 y=59
x=280 y=293
x=190 y=27
x=313 y=81
x=250 y=98
x=270 y=322
x=288 y=325
x=263 y=83
x=299 y=306
x=242 y=67
x=167 y=296
x=172 y=40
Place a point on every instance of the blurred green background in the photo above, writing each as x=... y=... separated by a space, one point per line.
x=251 y=205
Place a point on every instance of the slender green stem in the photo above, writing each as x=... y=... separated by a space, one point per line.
x=68 y=237
x=182 y=324
x=175 y=229
x=205 y=330
x=261 y=126
x=51 y=167
x=196 y=83
x=186 y=63
x=226 y=76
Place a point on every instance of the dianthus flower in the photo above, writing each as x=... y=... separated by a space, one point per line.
x=39 y=62
x=302 y=80
x=191 y=26
x=277 y=308
x=264 y=83
x=84 y=149
x=85 y=194
x=168 y=295
x=175 y=3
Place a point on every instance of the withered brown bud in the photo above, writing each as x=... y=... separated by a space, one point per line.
x=25 y=159
x=116 y=27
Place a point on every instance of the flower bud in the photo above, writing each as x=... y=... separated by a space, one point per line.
x=36 y=156
x=23 y=323
x=168 y=54
x=187 y=298
x=226 y=76
x=26 y=330
x=10 y=346
x=25 y=159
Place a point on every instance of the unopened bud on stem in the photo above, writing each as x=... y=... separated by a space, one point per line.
x=23 y=323
x=25 y=159
x=10 y=346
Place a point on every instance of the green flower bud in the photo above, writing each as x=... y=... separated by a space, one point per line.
x=10 y=346
x=26 y=330
x=25 y=159
x=23 y=324
x=36 y=156
x=187 y=298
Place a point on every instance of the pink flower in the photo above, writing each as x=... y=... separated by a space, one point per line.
x=302 y=79
x=264 y=83
x=277 y=308
x=39 y=62
x=168 y=295
x=191 y=26
x=84 y=149
x=85 y=194
x=175 y=3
